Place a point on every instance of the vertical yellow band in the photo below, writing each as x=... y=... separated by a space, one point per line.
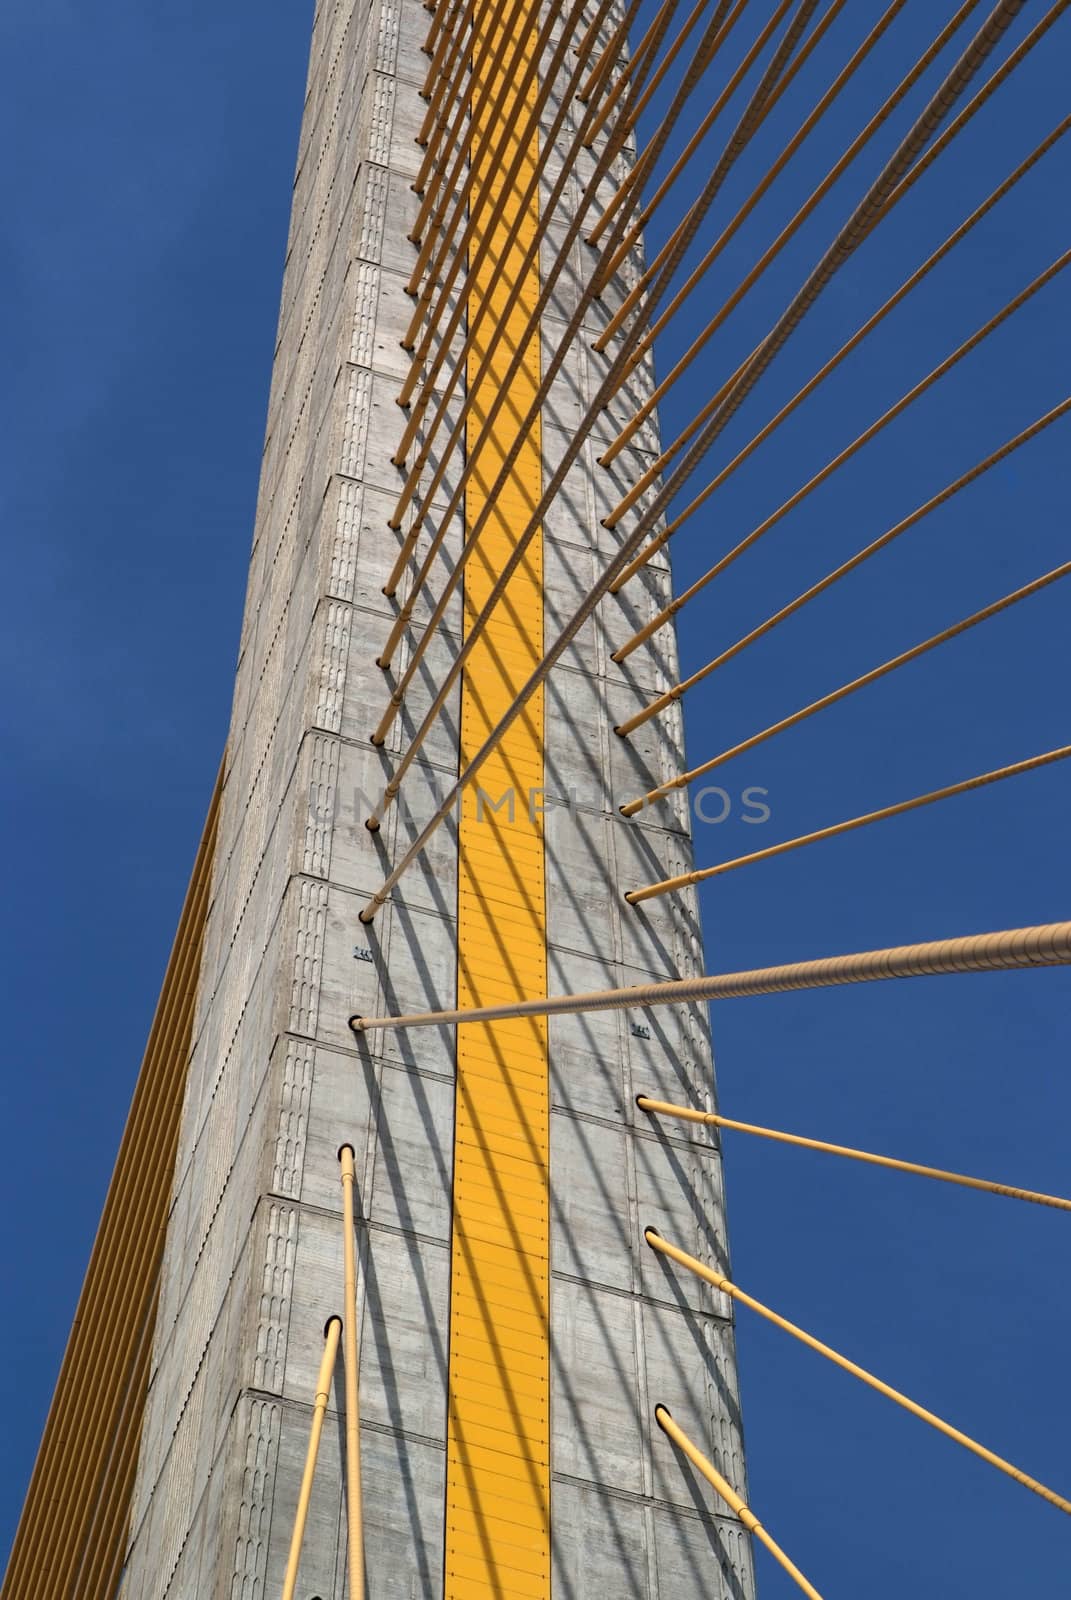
x=498 y=1468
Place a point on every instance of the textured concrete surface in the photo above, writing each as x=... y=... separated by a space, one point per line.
x=253 y=1262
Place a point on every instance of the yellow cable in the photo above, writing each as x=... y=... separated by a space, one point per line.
x=717 y=1281
x=662 y=1108
x=685 y=880
x=840 y=355
x=731 y=1498
x=351 y=1355
x=883 y=539
x=319 y=1408
x=683 y=779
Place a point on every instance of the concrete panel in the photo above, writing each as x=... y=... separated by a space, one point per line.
x=413 y=1154
x=595 y=1387
x=590 y=1237
x=599 y=1544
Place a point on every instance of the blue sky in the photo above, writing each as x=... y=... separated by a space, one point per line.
x=141 y=248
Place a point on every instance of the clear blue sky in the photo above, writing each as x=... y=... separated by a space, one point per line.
x=150 y=153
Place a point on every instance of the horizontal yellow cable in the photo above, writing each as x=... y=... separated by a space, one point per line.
x=1045 y=945
x=717 y=1281
x=662 y=1108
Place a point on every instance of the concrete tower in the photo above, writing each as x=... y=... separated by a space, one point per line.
x=515 y=1331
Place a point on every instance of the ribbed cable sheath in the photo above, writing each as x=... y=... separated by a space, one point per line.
x=355 y=1563
x=321 y=1400
x=612 y=259
x=722 y=405
x=588 y=606
x=1047 y=945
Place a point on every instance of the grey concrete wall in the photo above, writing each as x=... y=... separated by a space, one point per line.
x=253 y=1261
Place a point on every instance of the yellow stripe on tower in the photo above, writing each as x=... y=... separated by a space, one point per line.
x=498 y=1465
